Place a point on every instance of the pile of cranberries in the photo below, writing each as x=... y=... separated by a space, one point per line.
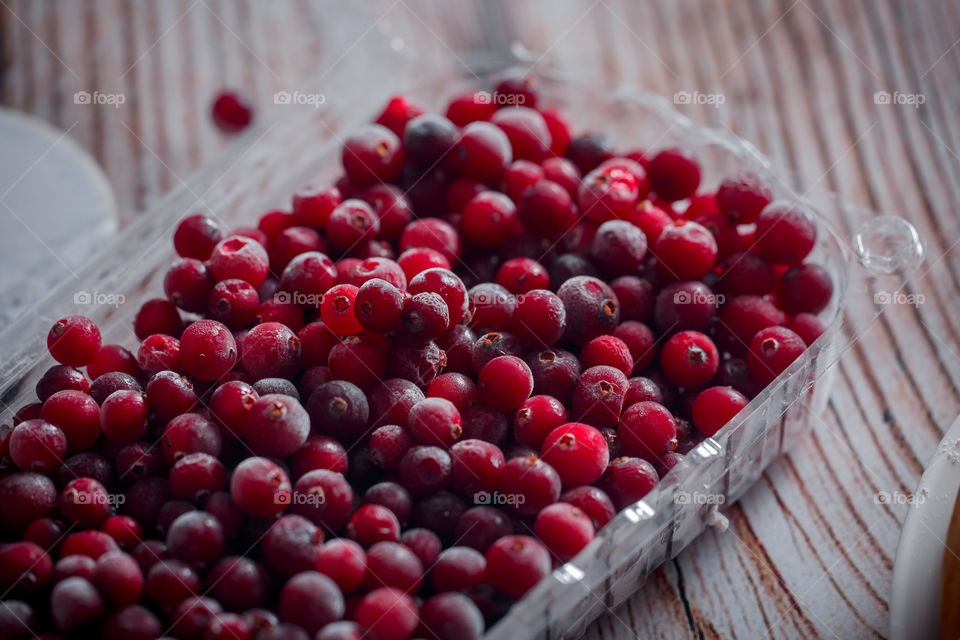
x=389 y=411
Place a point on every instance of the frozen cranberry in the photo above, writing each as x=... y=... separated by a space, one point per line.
x=689 y=359
x=388 y=444
x=89 y=543
x=230 y=404
x=260 y=487
x=493 y=345
x=599 y=396
x=431 y=233
x=291 y=545
x=318 y=452
x=546 y=209
x=392 y=496
x=58 y=378
x=391 y=401
x=118 y=577
x=715 y=407
x=313 y=204
x=316 y=341
x=324 y=497
x=608 y=192
x=476 y=465
x=528 y=484
x=536 y=418
x=157 y=316
x=74 y=341
x=113 y=357
x=25 y=497
x=505 y=382
x=106 y=384
x=239 y=257
x=610 y=351
x=170 y=395
x=786 y=233
x=806 y=288
x=344 y=561
x=519 y=176
x=515 y=564
x=627 y=480
x=457 y=568
x=527 y=131
x=771 y=352
x=196 y=236
x=686 y=305
x=636 y=298
x=491 y=306
x=36 y=445
x=190 y=433
x=484 y=423
x=350 y=224
x=745 y=274
x=643 y=389
x=742 y=196
x=418 y=363
x=17 y=619
x=84 y=502
x=435 y=421
x=386 y=613
x=337 y=310
x=232 y=112
x=647 y=430
x=76 y=414
x=339 y=409
x=197 y=475
x=138 y=460
x=76 y=605
x=378 y=305
x=237 y=583
x=592 y=308
x=808 y=326
x=46 y=533
x=686 y=250
x=742 y=317
x=480 y=527
x=392 y=207
x=273 y=222
x=482 y=151
x=397 y=112
x=194 y=615
x=470 y=107
x=427 y=139
x=417 y=259
x=159 y=352
x=520 y=275
x=674 y=174
x=271 y=350
x=265 y=386
x=555 y=373
x=578 y=453
x=372 y=523
x=425 y=470
x=455 y=387
x=565 y=529
x=207 y=350
x=372 y=154
x=188 y=283
x=588 y=150
x=25 y=569
x=448 y=286
x=277 y=425
x=592 y=501
x=307 y=277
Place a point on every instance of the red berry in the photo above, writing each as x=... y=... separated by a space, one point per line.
x=742 y=196
x=686 y=250
x=515 y=564
x=74 y=341
x=771 y=352
x=505 y=382
x=599 y=396
x=528 y=484
x=806 y=288
x=578 y=453
x=232 y=112
x=207 y=350
x=647 y=430
x=785 y=234
x=239 y=257
x=260 y=487
x=674 y=174
x=689 y=359
x=565 y=529
x=337 y=312
x=372 y=154
x=715 y=407
x=36 y=445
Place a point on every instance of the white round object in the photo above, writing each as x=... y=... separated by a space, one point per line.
x=915 y=600
x=56 y=205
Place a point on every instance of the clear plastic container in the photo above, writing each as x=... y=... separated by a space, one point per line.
x=869 y=257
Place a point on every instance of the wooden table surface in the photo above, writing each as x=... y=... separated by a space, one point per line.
x=810 y=550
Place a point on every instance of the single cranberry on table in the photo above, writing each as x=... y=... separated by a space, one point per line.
x=232 y=112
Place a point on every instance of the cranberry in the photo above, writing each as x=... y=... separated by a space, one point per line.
x=589 y=150
x=207 y=350
x=771 y=352
x=674 y=174
x=592 y=308
x=608 y=192
x=36 y=445
x=565 y=529
x=427 y=139
x=196 y=236
x=482 y=151
x=417 y=259
x=25 y=569
x=599 y=396
x=577 y=451
x=609 y=351
x=455 y=387
x=307 y=277
x=430 y=233
x=808 y=326
x=232 y=112
x=113 y=357
x=373 y=154
x=350 y=224
x=528 y=484
x=536 y=418
x=647 y=430
x=476 y=465
x=344 y=561
x=470 y=107
x=682 y=306
x=25 y=497
x=260 y=487
x=515 y=564
x=786 y=233
x=392 y=207
x=46 y=533
x=742 y=317
x=193 y=615
x=628 y=480
x=527 y=131
x=58 y=378
x=74 y=341
x=493 y=345
x=158 y=353
x=170 y=395
x=339 y=409
x=425 y=470
x=448 y=286
x=239 y=257
x=237 y=583
x=188 y=283
x=75 y=605
x=324 y=497
x=84 y=502
x=118 y=577
x=745 y=274
x=555 y=373
x=271 y=350
x=435 y=421
x=391 y=401
x=592 y=501
x=106 y=384
x=17 y=619
x=398 y=111
x=313 y=204
x=686 y=250
x=76 y=414
x=689 y=359
x=190 y=433
x=480 y=527
x=337 y=310
x=230 y=404
x=388 y=444
x=491 y=306
x=546 y=209
x=418 y=363
x=316 y=341
x=742 y=196
x=197 y=475
x=505 y=382
x=484 y=423
x=806 y=288
x=519 y=176
x=378 y=305
x=636 y=298
x=387 y=613
x=715 y=407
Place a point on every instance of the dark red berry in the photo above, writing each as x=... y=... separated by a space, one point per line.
x=372 y=154
x=599 y=396
x=771 y=351
x=515 y=564
x=786 y=233
x=564 y=528
x=674 y=174
x=232 y=112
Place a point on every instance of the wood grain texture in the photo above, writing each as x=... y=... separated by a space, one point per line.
x=809 y=552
